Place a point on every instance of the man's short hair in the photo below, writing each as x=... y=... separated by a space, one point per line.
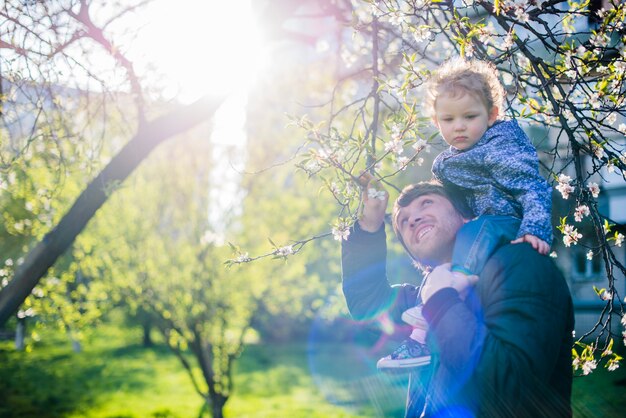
x=413 y=191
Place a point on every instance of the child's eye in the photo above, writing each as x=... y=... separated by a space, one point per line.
x=471 y=116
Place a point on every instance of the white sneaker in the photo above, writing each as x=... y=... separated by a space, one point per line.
x=413 y=316
x=410 y=354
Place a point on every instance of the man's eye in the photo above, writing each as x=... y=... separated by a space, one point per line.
x=427 y=202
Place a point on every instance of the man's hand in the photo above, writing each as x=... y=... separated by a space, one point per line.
x=538 y=244
x=375 y=200
x=441 y=277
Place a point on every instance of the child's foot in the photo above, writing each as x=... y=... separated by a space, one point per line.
x=413 y=316
x=410 y=354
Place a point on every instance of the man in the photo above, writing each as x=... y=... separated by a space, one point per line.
x=501 y=347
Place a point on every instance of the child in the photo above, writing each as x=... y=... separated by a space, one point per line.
x=494 y=165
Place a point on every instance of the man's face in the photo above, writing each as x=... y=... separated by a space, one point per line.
x=428 y=227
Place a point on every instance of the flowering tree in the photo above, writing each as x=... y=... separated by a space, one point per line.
x=46 y=101
x=563 y=65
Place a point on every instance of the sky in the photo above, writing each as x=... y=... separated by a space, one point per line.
x=199 y=46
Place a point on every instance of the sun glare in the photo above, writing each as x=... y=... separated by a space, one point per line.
x=202 y=47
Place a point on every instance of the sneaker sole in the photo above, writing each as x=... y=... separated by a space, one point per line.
x=385 y=364
x=415 y=321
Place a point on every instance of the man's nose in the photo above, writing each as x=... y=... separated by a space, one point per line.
x=414 y=220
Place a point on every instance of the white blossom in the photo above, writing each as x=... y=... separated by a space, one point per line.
x=599 y=40
x=30 y=312
x=242 y=258
x=580 y=212
x=594 y=189
x=594 y=100
x=610 y=166
x=394 y=146
x=588 y=366
x=597 y=150
x=606 y=295
x=622 y=157
x=619 y=239
x=312 y=166
x=421 y=33
x=612 y=365
x=622 y=128
x=508 y=41
x=285 y=251
x=623 y=321
x=570 y=235
x=611 y=118
x=589 y=255
x=372 y=193
x=396 y=18
x=402 y=162
x=564 y=186
x=396 y=132
x=341 y=232
x=522 y=15
x=553 y=254
x=421 y=144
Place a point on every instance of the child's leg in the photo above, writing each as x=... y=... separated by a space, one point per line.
x=477 y=240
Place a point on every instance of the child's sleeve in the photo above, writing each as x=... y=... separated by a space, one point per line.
x=514 y=167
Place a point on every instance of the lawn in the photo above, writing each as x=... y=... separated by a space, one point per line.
x=115 y=377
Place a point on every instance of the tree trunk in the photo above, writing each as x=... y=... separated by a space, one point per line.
x=53 y=245
x=76 y=345
x=147 y=338
x=217 y=404
x=20 y=334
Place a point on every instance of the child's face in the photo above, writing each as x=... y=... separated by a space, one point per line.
x=462 y=120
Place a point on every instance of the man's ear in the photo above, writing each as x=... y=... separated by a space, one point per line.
x=493 y=115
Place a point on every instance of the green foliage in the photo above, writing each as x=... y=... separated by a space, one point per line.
x=36 y=189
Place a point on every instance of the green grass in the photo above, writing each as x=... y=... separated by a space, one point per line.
x=115 y=377
x=600 y=394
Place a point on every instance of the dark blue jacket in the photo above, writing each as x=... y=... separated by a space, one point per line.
x=500 y=176
x=503 y=352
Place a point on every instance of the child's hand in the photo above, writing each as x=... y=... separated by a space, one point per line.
x=538 y=244
x=441 y=277
x=375 y=200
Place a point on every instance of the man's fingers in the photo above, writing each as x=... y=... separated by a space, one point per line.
x=365 y=179
x=472 y=279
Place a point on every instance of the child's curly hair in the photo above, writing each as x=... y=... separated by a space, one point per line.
x=459 y=76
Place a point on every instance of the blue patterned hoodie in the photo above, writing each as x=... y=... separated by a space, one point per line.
x=499 y=175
